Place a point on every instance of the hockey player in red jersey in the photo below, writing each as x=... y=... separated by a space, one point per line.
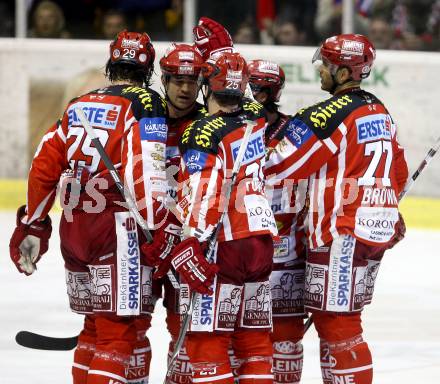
x=347 y=148
x=287 y=278
x=235 y=295
x=180 y=68
x=237 y=306
x=106 y=279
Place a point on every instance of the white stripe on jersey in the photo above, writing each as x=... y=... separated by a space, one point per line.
x=61 y=134
x=322 y=181
x=287 y=172
x=40 y=208
x=338 y=182
x=330 y=144
x=128 y=174
x=46 y=137
x=212 y=378
x=211 y=192
x=311 y=205
x=227 y=228
x=343 y=129
x=128 y=122
x=147 y=160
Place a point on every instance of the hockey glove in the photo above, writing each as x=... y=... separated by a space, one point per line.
x=189 y=260
x=29 y=242
x=158 y=253
x=399 y=232
x=211 y=37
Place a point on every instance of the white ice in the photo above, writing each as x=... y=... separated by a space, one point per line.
x=402 y=325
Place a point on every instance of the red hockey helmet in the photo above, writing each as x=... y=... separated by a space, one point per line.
x=132 y=47
x=227 y=75
x=266 y=75
x=353 y=51
x=181 y=59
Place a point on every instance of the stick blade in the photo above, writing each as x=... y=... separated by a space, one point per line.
x=46 y=343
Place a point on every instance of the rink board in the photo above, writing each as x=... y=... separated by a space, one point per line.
x=419 y=212
x=54 y=71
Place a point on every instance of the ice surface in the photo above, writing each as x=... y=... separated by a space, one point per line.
x=402 y=325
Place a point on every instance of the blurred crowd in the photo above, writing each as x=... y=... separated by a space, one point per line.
x=390 y=24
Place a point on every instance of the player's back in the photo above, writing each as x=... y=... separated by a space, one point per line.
x=357 y=190
x=111 y=111
x=210 y=147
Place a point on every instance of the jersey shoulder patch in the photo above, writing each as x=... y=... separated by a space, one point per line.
x=145 y=102
x=253 y=110
x=323 y=118
x=203 y=134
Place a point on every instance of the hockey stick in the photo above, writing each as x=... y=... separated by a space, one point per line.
x=33 y=340
x=429 y=156
x=211 y=249
x=46 y=343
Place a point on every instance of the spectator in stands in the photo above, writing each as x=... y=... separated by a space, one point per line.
x=329 y=19
x=246 y=34
x=380 y=33
x=113 y=22
x=48 y=21
x=288 y=32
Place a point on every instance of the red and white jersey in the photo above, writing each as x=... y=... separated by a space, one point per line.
x=347 y=147
x=287 y=201
x=130 y=123
x=209 y=149
x=176 y=127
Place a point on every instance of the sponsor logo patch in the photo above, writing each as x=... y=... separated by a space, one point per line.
x=373 y=127
x=269 y=67
x=128 y=264
x=281 y=248
x=153 y=129
x=340 y=277
x=254 y=150
x=287 y=290
x=186 y=56
x=298 y=132
x=78 y=290
x=195 y=160
x=202 y=319
x=375 y=223
x=101 y=287
x=100 y=115
x=228 y=305
x=147 y=302
x=257 y=305
x=314 y=285
x=186 y=69
x=131 y=44
x=350 y=47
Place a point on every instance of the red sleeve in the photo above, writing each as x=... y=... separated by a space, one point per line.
x=400 y=166
x=201 y=179
x=301 y=153
x=143 y=166
x=46 y=168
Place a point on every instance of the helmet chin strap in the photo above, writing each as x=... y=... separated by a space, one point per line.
x=334 y=86
x=205 y=95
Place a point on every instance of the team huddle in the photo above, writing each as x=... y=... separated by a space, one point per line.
x=259 y=219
